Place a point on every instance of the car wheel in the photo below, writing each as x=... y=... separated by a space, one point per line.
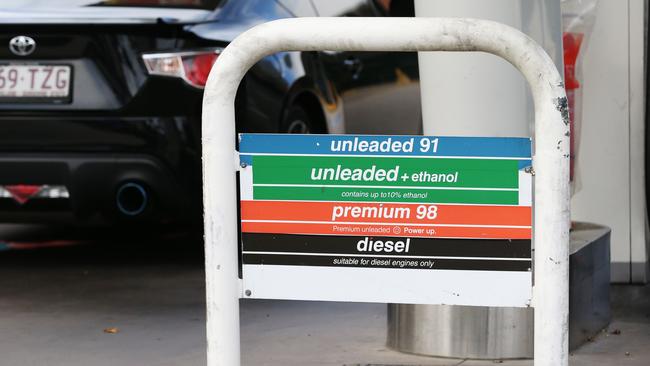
x=297 y=120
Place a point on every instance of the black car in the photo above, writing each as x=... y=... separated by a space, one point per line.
x=100 y=99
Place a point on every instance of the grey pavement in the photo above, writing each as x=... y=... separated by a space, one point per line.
x=56 y=303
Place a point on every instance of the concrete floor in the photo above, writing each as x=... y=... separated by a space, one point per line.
x=56 y=303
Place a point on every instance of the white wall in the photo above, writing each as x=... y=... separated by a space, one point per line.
x=610 y=163
x=639 y=245
x=472 y=94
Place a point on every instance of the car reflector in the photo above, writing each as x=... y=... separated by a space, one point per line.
x=22 y=193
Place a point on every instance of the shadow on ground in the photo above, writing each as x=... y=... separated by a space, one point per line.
x=27 y=245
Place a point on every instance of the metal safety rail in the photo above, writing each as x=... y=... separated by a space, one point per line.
x=550 y=158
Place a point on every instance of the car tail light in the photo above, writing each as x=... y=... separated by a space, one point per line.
x=193 y=67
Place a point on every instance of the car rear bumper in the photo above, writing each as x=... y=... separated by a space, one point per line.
x=93 y=183
x=95 y=159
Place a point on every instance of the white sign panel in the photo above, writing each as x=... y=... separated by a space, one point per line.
x=404 y=219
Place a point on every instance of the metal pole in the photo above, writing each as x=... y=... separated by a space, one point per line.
x=550 y=160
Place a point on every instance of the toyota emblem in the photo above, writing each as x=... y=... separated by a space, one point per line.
x=22 y=45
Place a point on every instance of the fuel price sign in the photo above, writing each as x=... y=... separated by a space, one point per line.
x=409 y=219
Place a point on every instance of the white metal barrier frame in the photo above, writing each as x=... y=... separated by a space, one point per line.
x=550 y=157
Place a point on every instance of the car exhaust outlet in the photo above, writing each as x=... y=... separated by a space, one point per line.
x=131 y=199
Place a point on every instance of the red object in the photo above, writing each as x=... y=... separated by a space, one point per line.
x=22 y=193
x=572 y=43
x=197 y=67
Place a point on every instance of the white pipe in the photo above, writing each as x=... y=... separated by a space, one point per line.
x=550 y=159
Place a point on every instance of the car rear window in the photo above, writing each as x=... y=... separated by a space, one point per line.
x=36 y=4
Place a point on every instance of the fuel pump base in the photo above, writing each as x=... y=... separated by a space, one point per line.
x=507 y=333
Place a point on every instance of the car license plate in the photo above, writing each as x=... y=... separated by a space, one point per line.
x=35 y=82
